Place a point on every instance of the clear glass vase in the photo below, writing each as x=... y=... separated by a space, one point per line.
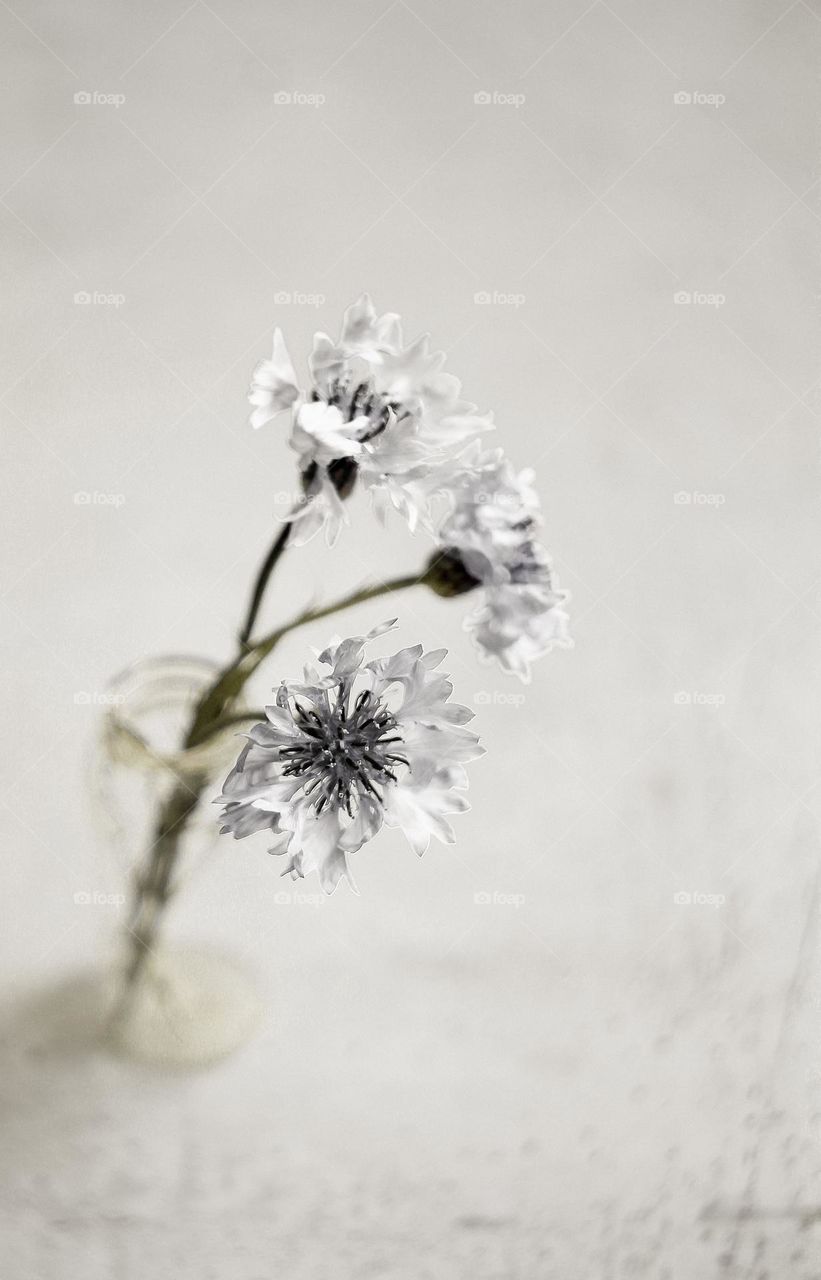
x=164 y=1004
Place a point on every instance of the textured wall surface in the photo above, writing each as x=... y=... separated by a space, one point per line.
x=582 y=1043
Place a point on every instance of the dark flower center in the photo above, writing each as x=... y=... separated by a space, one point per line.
x=359 y=400
x=344 y=753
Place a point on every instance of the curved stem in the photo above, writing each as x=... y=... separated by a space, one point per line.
x=259 y=652
x=266 y=569
x=231 y=681
x=214 y=712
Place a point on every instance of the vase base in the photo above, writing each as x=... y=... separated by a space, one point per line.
x=190 y=1008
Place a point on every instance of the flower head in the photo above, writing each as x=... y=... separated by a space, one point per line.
x=345 y=751
x=377 y=411
x=488 y=541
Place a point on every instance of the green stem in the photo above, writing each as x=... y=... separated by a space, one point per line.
x=266 y=569
x=259 y=652
x=230 y=683
x=213 y=713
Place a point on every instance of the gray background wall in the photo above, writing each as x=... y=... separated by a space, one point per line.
x=592 y=1082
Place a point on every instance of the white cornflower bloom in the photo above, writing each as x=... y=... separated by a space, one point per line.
x=377 y=411
x=343 y=752
x=487 y=541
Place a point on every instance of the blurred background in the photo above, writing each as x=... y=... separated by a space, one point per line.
x=582 y=1042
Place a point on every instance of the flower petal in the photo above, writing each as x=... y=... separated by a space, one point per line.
x=274 y=385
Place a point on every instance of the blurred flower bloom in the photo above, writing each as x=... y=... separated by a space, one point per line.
x=488 y=540
x=345 y=751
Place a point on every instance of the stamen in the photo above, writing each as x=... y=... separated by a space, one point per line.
x=342 y=753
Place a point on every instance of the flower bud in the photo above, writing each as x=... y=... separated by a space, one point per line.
x=447 y=574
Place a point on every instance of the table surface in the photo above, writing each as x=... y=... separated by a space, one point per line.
x=583 y=1041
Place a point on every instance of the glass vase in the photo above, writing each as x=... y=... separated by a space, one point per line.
x=163 y=1004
